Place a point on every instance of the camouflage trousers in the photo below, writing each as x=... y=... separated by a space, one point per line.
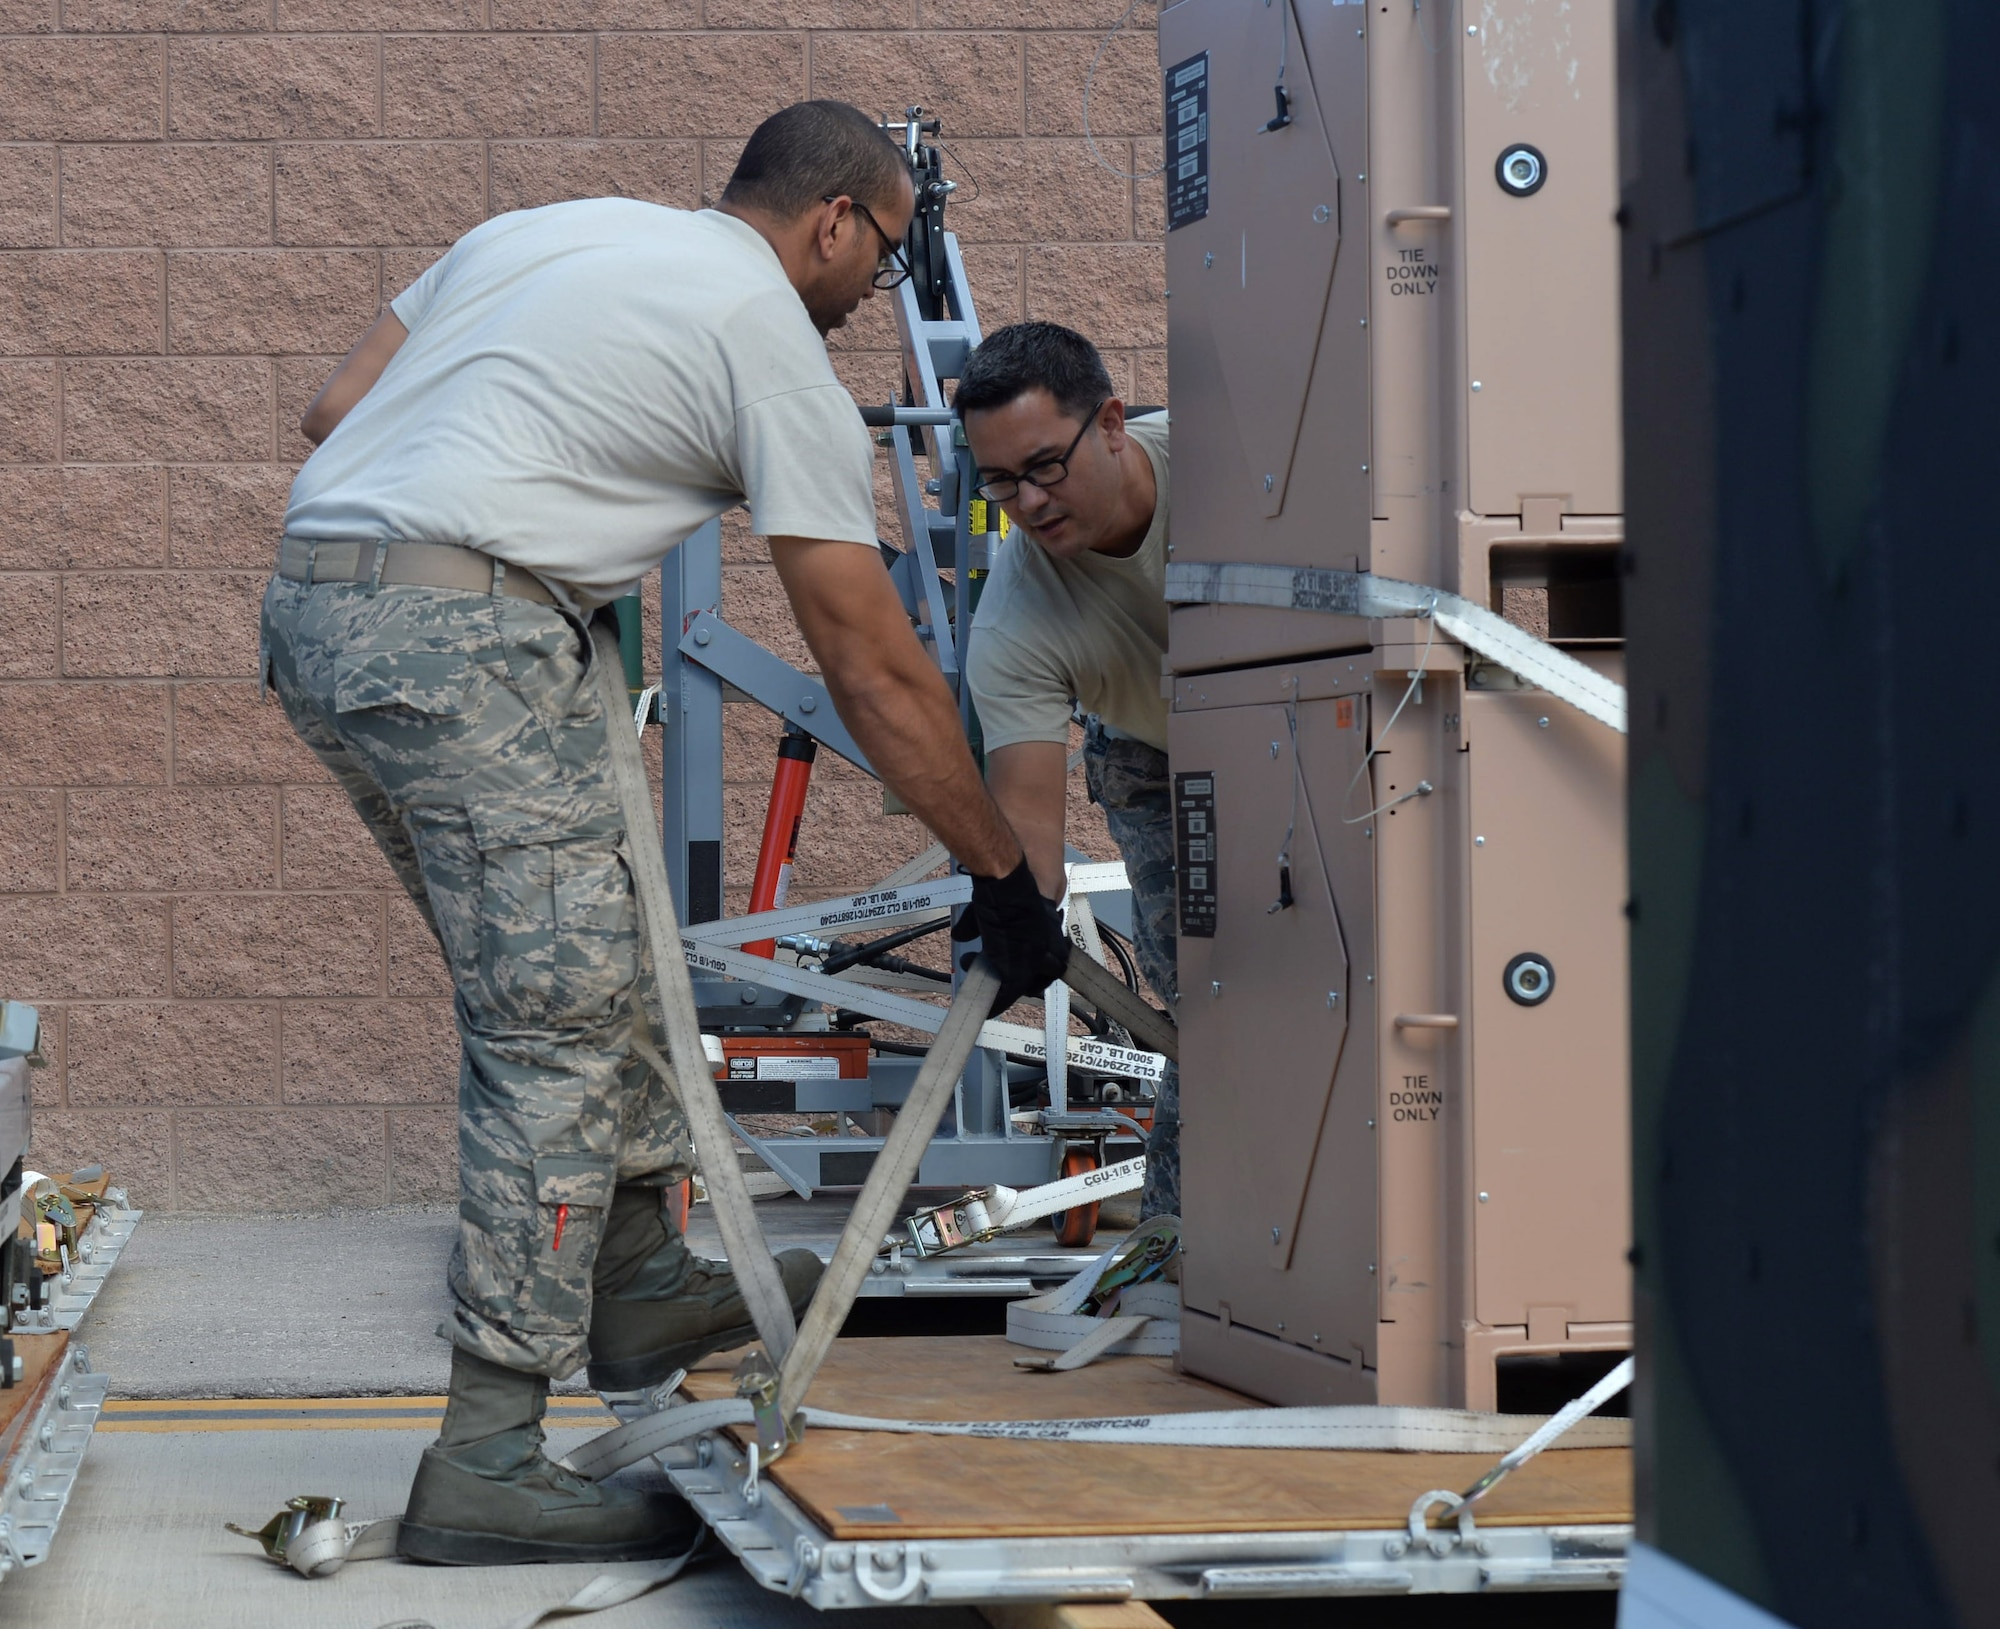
x=467 y=730
x=1128 y=779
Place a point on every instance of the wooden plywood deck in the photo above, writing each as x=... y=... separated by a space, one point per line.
x=863 y=1485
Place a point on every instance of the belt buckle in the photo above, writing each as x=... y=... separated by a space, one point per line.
x=938 y=1228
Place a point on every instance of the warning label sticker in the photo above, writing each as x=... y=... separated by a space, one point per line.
x=783 y=1068
x=1187 y=141
x=1195 y=867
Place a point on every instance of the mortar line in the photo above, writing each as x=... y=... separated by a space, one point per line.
x=173 y=742
x=1021 y=56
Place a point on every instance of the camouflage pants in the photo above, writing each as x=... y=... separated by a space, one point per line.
x=1129 y=780
x=467 y=731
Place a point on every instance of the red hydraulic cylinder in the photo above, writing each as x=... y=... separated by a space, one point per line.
x=779 y=850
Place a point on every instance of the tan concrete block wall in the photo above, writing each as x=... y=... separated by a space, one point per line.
x=202 y=204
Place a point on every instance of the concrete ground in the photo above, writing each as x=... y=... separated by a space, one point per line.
x=345 y=1306
x=276 y=1306
x=339 y=1306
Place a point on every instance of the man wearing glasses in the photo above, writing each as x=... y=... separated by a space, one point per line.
x=1076 y=616
x=520 y=438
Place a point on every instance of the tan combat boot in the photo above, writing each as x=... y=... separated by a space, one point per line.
x=486 y=1495
x=657 y=1307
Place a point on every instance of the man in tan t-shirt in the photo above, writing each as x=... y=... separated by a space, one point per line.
x=1075 y=615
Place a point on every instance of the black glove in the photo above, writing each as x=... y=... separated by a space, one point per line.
x=1021 y=933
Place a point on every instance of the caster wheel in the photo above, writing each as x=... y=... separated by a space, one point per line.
x=1077 y=1225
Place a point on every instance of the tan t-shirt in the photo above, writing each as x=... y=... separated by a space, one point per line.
x=586 y=384
x=1090 y=630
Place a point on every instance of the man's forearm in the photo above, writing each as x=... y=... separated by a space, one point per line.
x=1029 y=781
x=354 y=378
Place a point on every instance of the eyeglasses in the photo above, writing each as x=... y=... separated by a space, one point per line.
x=1002 y=486
x=892 y=269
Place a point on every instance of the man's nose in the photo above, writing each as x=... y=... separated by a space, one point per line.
x=1029 y=500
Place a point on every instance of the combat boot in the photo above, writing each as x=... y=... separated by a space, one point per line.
x=656 y=1306
x=486 y=1495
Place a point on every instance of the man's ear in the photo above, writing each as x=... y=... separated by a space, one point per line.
x=827 y=226
x=1111 y=419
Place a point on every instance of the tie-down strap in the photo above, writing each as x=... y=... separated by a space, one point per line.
x=1353 y=1427
x=1363 y=594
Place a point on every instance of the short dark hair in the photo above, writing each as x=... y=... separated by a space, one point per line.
x=1033 y=355
x=811 y=151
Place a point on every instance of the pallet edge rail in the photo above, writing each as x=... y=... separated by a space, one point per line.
x=56 y=1395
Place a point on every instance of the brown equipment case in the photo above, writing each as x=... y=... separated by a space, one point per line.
x=1386 y=358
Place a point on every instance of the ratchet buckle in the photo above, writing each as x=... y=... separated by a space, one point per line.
x=938 y=1228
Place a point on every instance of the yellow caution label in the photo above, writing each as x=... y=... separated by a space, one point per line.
x=975 y=516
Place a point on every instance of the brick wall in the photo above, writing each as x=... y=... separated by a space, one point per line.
x=202 y=204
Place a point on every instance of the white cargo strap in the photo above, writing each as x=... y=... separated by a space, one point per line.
x=1009 y=1208
x=750 y=1256
x=1016 y=1039
x=986 y=1213
x=1559 y=1422
x=1142 y=1319
x=1363 y=594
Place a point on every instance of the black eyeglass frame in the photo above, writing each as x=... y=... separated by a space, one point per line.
x=1006 y=486
x=892 y=265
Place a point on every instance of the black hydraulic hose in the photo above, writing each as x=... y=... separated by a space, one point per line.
x=910 y=969
x=1126 y=965
x=853 y=955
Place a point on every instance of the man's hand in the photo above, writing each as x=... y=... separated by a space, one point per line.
x=1022 y=933
x=891 y=696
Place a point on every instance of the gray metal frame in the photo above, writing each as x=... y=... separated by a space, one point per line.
x=786 y=1551
x=690 y=711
